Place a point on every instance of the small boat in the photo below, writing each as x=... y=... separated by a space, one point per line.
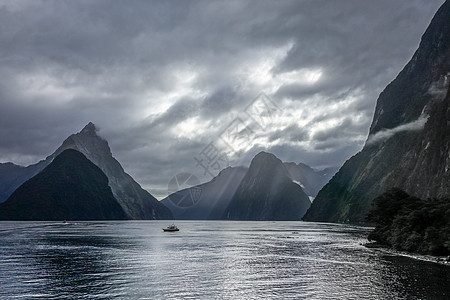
x=171 y=228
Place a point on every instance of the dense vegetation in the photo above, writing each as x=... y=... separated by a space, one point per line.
x=411 y=224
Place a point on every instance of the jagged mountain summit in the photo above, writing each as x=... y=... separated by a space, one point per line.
x=206 y=201
x=135 y=201
x=71 y=187
x=409 y=141
x=267 y=193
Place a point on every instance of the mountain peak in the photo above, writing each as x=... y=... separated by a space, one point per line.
x=266 y=192
x=135 y=201
x=265 y=156
x=89 y=129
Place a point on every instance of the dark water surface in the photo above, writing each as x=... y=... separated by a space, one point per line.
x=207 y=260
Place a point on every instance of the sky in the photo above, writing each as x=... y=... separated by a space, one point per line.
x=195 y=86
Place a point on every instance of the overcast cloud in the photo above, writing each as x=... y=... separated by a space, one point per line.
x=163 y=79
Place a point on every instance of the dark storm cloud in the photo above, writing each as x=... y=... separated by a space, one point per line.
x=176 y=113
x=162 y=79
x=291 y=133
x=219 y=102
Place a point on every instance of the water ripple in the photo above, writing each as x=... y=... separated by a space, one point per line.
x=207 y=260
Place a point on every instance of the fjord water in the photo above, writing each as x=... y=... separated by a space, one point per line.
x=207 y=260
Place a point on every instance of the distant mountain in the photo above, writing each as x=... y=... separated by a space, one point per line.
x=206 y=201
x=267 y=193
x=409 y=140
x=311 y=181
x=12 y=176
x=135 y=201
x=69 y=188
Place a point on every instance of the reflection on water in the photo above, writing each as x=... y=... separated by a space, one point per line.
x=209 y=260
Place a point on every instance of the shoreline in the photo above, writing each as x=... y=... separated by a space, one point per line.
x=442 y=260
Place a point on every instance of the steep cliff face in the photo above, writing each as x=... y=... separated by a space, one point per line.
x=267 y=193
x=70 y=188
x=408 y=143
